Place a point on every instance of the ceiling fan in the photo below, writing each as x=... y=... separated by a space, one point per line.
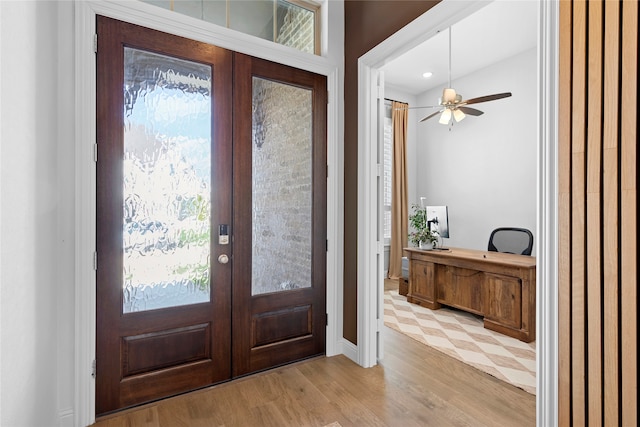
x=451 y=105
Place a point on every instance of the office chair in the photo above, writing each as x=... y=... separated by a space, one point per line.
x=511 y=240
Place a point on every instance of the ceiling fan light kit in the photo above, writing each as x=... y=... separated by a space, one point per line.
x=445 y=117
x=449 y=95
x=454 y=106
x=458 y=115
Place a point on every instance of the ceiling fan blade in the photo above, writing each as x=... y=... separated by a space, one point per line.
x=486 y=98
x=432 y=115
x=417 y=108
x=471 y=111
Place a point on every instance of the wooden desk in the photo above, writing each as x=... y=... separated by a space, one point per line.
x=500 y=287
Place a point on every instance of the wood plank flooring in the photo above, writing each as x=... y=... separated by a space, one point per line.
x=414 y=385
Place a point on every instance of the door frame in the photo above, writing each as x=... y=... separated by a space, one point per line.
x=330 y=64
x=422 y=28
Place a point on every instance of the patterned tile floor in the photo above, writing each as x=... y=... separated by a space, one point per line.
x=462 y=335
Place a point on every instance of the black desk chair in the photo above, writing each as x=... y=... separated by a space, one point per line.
x=511 y=240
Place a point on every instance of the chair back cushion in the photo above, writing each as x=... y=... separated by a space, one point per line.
x=511 y=240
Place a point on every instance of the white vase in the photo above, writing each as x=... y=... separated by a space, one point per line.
x=427 y=246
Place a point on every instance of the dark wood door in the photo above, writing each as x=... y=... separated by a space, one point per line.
x=164 y=175
x=280 y=175
x=185 y=215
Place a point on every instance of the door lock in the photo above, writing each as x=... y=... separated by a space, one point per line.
x=223 y=234
x=223 y=259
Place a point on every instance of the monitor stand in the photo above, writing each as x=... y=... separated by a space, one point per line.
x=440 y=247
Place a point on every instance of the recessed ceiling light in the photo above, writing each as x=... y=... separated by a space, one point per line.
x=427 y=74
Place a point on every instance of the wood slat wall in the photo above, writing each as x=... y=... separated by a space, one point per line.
x=598 y=280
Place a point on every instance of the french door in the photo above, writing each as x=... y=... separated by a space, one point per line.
x=211 y=215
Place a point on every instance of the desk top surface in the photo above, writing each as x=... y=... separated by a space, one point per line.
x=525 y=261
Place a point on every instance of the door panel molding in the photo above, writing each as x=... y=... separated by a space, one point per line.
x=289 y=324
x=132 y=389
x=189 y=344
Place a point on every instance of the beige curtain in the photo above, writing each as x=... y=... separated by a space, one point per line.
x=399 y=204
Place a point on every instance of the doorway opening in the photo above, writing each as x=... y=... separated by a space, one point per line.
x=441 y=16
x=189 y=291
x=146 y=15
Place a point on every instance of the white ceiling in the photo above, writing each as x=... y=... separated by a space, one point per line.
x=498 y=31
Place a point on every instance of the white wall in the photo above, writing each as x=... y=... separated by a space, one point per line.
x=484 y=168
x=66 y=239
x=37 y=214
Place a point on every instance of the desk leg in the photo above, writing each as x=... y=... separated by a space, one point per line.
x=403 y=286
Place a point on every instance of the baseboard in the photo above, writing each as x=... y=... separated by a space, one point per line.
x=65 y=417
x=349 y=349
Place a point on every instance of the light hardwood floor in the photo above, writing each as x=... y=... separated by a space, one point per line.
x=414 y=385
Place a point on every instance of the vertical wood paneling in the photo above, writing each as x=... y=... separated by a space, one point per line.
x=610 y=212
x=594 y=228
x=629 y=206
x=578 y=108
x=597 y=163
x=564 y=214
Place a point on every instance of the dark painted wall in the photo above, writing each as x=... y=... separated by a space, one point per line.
x=367 y=23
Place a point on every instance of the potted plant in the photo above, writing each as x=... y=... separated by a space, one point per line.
x=421 y=234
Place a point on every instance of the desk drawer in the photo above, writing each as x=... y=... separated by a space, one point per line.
x=422 y=280
x=460 y=287
x=503 y=299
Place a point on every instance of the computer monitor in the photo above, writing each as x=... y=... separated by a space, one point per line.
x=438 y=220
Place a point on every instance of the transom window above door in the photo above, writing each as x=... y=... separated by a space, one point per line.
x=293 y=23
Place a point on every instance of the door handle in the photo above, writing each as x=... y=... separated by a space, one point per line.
x=223 y=259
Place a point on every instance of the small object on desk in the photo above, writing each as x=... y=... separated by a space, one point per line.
x=484 y=256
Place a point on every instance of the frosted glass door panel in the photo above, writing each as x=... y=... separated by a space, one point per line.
x=282 y=187
x=167 y=181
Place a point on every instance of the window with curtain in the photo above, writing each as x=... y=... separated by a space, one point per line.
x=397 y=188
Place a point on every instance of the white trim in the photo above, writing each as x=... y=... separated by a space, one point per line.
x=547 y=252
x=85 y=189
x=1 y=287
x=379 y=179
x=151 y=17
x=350 y=350
x=65 y=417
x=439 y=17
x=335 y=217
x=367 y=207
